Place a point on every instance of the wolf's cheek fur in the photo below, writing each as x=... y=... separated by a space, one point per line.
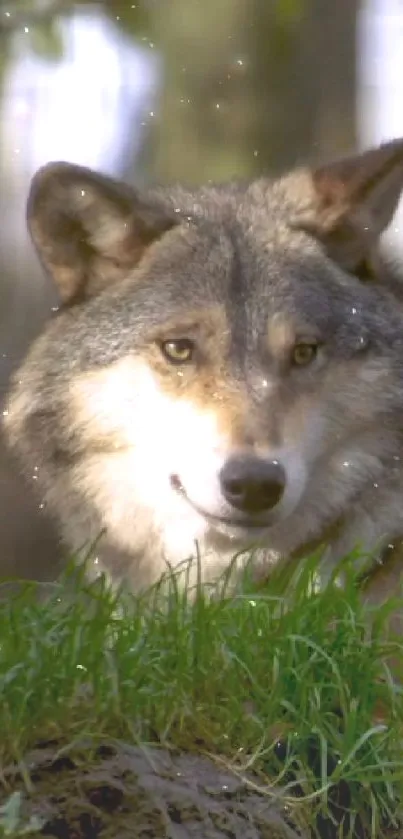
x=135 y=437
x=356 y=457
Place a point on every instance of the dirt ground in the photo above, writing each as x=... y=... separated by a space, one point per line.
x=121 y=792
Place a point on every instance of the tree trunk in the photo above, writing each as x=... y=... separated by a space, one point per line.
x=248 y=88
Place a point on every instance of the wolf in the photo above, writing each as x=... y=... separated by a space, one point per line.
x=224 y=372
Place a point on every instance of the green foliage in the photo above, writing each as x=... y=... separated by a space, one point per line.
x=41 y=23
x=12 y=821
x=290 y=11
x=132 y=16
x=230 y=674
x=46 y=39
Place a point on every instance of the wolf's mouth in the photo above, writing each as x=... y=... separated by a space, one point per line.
x=244 y=523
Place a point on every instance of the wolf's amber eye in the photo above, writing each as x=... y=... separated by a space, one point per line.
x=303 y=354
x=178 y=351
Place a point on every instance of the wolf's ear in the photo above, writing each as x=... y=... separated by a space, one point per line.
x=354 y=201
x=89 y=230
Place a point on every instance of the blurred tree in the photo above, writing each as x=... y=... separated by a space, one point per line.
x=248 y=85
x=252 y=85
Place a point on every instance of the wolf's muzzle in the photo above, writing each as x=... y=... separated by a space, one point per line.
x=252 y=484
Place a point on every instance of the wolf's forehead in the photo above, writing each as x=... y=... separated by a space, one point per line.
x=237 y=280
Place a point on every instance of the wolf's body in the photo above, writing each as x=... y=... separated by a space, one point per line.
x=226 y=368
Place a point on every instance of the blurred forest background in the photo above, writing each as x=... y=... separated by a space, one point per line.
x=168 y=90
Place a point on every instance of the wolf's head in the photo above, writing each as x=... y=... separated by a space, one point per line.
x=226 y=366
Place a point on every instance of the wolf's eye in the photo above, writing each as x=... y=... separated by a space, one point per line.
x=303 y=354
x=178 y=351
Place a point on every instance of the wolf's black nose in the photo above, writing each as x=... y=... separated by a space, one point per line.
x=252 y=484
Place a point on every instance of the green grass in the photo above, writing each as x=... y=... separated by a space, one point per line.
x=226 y=675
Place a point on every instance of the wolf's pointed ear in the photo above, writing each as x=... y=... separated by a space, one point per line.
x=89 y=230
x=354 y=202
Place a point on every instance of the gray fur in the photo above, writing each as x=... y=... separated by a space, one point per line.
x=293 y=249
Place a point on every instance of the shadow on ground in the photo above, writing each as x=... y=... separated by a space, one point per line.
x=122 y=792
x=117 y=791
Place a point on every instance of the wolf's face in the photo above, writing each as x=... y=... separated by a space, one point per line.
x=220 y=420
x=220 y=372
